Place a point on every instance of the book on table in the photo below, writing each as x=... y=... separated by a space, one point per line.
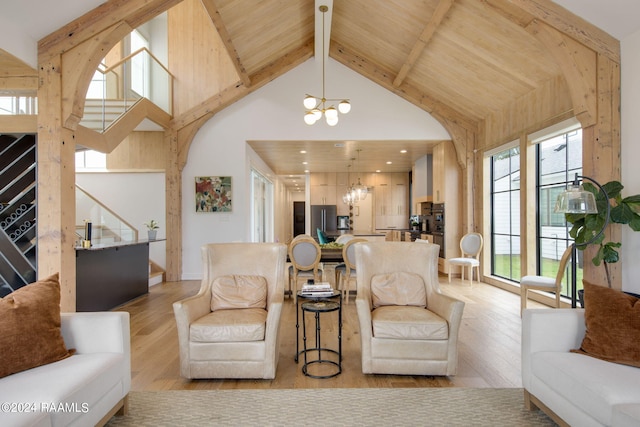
x=322 y=289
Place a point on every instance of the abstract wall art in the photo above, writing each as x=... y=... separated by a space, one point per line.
x=213 y=194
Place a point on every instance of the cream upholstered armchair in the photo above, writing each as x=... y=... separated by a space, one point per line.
x=407 y=326
x=230 y=328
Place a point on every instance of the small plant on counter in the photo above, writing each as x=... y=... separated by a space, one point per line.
x=152 y=229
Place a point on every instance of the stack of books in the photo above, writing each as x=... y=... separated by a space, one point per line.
x=322 y=289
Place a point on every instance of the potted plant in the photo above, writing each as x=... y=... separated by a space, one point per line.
x=152 y=229
x=586 y=226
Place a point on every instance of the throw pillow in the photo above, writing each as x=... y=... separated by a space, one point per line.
x=238 y=291
x=31 y=333
x=399 y=288
x=613 y=325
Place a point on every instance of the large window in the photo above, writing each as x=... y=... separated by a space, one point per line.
x=140 y=64
x=89 y=159
x=505 y=214
x=262 y=208
x=559 y=159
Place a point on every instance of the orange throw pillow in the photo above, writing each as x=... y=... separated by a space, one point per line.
x=31 y=333
x=613 y=325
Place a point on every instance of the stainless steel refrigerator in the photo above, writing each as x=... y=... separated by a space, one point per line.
x=325 y=218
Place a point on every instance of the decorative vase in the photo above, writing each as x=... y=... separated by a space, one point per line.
x=152 y=234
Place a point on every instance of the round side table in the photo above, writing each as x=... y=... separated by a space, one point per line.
x=319 y=307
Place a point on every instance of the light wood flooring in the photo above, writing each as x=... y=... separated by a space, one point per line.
x=489 y=345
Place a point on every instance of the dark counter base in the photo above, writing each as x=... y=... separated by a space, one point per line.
x=110 y=277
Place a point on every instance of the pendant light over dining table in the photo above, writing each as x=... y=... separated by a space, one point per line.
x=355 y=193
x=321 y=106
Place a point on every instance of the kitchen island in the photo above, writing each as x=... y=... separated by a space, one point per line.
x=108 y=275
x=369 y=235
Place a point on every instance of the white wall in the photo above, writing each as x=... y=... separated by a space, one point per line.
x=275 y=112
x=136 y=197
x=630 y=49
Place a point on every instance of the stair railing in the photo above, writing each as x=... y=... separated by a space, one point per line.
x=116 y=88
x=107 y=226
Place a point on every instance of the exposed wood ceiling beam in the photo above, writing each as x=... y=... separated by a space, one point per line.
x=377 y=74
x=320 y=31
x=217 y=21
x=570 y=24
x=234 y=93
x=101 y=18
x=428 y=32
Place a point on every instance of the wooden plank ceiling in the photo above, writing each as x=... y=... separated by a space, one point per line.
x=461 y=60
x=471 y=57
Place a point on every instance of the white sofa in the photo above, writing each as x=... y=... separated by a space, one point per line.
x=85 y=389
x=572 y=388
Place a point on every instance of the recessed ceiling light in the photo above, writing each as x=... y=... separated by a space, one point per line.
x=306 y=171
x=303 y=151
x=403 y=151
x=377 y=170
x=389 y=163
x=305 y=163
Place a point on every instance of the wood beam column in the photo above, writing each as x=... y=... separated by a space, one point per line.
x=173 y=190
x=56 y=185
x=601 y=159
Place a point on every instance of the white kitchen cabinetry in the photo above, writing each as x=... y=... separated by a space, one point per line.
x=323 y=188
x=391 y=206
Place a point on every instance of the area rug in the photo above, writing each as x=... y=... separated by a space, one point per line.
x=331 y=407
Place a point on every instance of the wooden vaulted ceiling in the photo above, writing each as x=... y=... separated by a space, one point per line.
x=464 y=57
x=460 y=60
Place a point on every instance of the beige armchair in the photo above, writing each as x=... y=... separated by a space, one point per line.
x=230 y=328
x=407 y=326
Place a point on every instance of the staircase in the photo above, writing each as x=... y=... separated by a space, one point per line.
x=18 y=232
x=100 y=113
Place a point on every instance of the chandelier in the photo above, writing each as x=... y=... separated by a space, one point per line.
x=355 y=193
x=317 y=106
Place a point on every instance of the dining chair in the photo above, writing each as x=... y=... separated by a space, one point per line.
x=304 y=255
x=323 y=238
x=289 y=264
x=346 y=272
x=542 y=283
x=344 y=238
x=470 y=246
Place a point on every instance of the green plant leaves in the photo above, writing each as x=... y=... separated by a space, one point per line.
x=623 y=211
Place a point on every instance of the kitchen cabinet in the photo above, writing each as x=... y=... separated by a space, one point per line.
x=391 y=201
x=322 y=178
x=323 y=195
x=446 y=177
x=445 y=173
x=323 y=188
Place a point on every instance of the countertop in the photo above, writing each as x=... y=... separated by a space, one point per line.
x=102 y=246
x=358 y=233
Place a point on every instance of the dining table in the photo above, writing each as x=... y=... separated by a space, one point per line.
x=331 y=255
